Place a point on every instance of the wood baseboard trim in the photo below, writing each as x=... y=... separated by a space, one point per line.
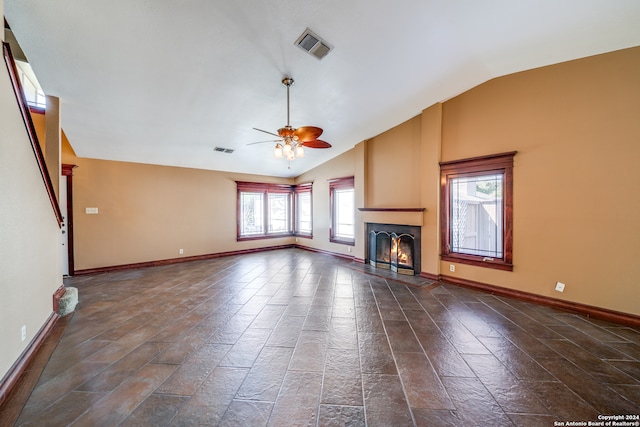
x=9 y=381
x=359 y=260
x=322 y=251
x=161 y=262
x=57 y=295
x=429 y=276
x=575 y=307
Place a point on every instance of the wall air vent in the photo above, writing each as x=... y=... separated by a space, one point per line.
x=223 y=150
x=313 y=44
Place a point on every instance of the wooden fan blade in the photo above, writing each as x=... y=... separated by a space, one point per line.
x=307 y=133
x=316 y=143
x=262 y=142
x=266 y=131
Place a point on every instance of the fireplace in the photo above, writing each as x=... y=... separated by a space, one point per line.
x=402 y=248
x=380 y=248
x=394 y=247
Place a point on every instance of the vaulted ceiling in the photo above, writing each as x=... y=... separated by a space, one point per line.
x=165 y=82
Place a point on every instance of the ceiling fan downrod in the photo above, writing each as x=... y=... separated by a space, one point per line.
x=292 y=141
x=287 y=81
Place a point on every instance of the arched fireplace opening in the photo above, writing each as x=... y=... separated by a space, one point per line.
x=402 y=248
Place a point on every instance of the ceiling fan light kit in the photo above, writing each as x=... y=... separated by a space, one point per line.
x=293 y=140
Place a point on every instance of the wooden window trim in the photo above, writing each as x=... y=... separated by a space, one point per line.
x=265 y=189
x=306 y=187
x=336 y=184
x=496 y=163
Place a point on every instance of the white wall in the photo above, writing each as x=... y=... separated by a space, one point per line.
x=30 y=263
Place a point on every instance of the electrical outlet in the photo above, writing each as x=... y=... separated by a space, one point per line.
x=452 y=267
x=24 y=332
x=181 y=251
x=559 y=286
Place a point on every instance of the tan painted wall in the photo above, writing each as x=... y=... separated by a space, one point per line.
x=30 y=254
x=39 y=122
x=339 y=167
x=393 y=163
x=147 y=212
x=576 y=127
x=430 y=189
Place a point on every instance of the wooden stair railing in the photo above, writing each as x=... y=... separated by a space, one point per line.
x=31 y=131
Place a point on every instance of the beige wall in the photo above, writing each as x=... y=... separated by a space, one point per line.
x=430 y=191
x=393 y=163
x=339 y=167
x=148 y=213
x=576 y=128
x=30 y=254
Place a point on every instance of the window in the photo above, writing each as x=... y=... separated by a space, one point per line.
x=477 y=211
x=264 y=210
x=279 y=219
x=342 y=199
x=30 y=86
x=303 y=210
x=272 y=210
x=252 y=213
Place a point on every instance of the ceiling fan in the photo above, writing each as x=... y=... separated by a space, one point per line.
x=292 y=140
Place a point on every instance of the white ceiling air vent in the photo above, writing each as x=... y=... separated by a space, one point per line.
x=313 y=44
x=223 y=150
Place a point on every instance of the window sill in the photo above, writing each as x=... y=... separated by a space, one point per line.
x=343 y=242
x=477 y=261
x=263 y=236
x=304 y=236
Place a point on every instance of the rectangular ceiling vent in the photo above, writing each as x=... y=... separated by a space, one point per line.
x=313 y=44
x=223 y=150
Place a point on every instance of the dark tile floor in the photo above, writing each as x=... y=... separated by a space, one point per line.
x=292 y=337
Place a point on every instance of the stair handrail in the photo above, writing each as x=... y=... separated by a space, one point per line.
x=31 y=130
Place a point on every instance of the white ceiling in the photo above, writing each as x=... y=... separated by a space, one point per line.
x=164 y=82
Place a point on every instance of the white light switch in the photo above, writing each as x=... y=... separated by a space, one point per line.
x=91 y=211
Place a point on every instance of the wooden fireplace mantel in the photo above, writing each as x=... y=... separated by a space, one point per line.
x=400 y=216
